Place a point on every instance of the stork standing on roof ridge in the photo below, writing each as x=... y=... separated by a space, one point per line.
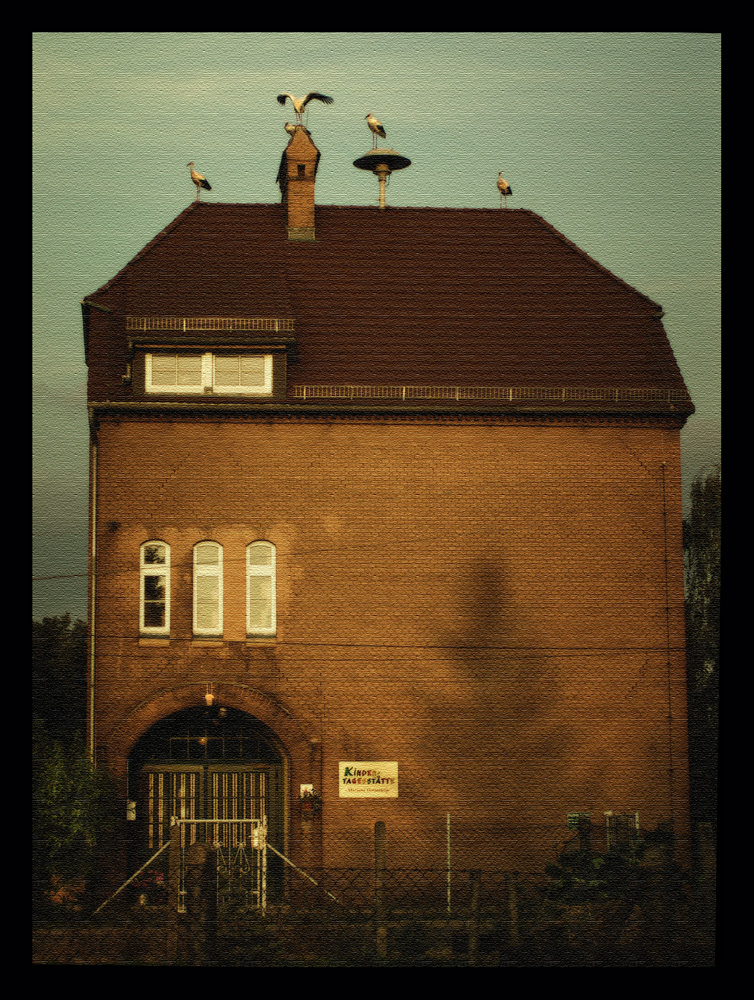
x=299 y=103
x=376 y=128
x=504 y=188
x=199 y=179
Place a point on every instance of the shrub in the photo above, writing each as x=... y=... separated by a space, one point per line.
x=73 y=807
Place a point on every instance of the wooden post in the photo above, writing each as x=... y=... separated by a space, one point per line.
x=174 y=877
x=585 y=834
x=476 y=877
x=510 y=881
x=201 y=890
x=380 y=864
x=708 y=869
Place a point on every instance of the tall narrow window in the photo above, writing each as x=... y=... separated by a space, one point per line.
x=154 y=588
x=208 y=588
x=260 y=589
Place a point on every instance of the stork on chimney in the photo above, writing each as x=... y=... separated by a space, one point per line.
x=296 y=176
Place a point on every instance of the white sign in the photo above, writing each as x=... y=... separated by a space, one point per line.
x=368 y=779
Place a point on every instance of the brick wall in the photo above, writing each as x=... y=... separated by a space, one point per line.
x=488 y=604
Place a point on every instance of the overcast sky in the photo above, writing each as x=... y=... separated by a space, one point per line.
x=614 y=138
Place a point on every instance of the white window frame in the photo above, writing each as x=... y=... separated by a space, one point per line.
x=255 y=571
x=611 y=832
x=208 y=570
x=176 y=390
x=154 y=569
x=209 y=384
x=243 y=390
x=575 y=819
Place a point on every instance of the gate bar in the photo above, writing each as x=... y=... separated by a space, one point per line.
x=102 y=905
x=258 y=826
x=301 y=872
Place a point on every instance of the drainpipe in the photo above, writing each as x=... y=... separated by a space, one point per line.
x=92 y=603
x=671 y=771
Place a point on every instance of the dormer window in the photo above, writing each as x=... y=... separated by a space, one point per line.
x=222 y=373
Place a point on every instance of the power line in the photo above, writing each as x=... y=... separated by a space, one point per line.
x=555 y=650
x=379 y=544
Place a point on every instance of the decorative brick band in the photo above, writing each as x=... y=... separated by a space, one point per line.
x=270 y=413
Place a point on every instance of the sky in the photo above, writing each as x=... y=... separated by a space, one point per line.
x=613 y=138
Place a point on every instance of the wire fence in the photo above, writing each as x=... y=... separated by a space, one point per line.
x=427 y=891
x=604 y=894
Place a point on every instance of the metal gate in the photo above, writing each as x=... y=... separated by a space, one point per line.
x=240 y=847
x=223 y=806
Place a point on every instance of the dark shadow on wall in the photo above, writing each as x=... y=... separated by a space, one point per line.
x=495 y=713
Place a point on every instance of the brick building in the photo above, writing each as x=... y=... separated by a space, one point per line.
x=393 y=492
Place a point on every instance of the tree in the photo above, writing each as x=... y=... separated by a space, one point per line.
x=59 y=675
x=74 y=806
x=73 y=802
x=701 y=543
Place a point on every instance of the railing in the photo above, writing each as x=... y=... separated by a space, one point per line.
x=202 y=323
x=501 y=393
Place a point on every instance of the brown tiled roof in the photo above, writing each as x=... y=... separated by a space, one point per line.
x=212 y=260
x=408 y=296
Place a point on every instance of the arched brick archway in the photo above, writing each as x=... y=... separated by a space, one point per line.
x=298 y=742
x=299 y=758
x=299 y=748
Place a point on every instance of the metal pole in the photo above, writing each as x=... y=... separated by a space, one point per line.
x=476 y=877
x=383 y=172
x=129 y=880
x=301 y=872
x=380 y=864
x=447 y=835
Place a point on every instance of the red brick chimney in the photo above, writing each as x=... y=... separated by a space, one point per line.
x=298 y=169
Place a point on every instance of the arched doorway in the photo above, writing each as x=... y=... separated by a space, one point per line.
x=207 y=763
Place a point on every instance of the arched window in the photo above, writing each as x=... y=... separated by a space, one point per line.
x=154 y=588
x=260 y=589
x=208 y=589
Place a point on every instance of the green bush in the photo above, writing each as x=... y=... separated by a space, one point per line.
x=630 y=903
x=73 y=808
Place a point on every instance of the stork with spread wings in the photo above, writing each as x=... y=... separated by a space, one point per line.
x=299 y=103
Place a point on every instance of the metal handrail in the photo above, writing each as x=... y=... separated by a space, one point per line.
x=129 y=880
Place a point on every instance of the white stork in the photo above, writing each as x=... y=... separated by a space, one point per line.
x=376 y=128
x=199 y=179
x=504 y=188
x=299 y=103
